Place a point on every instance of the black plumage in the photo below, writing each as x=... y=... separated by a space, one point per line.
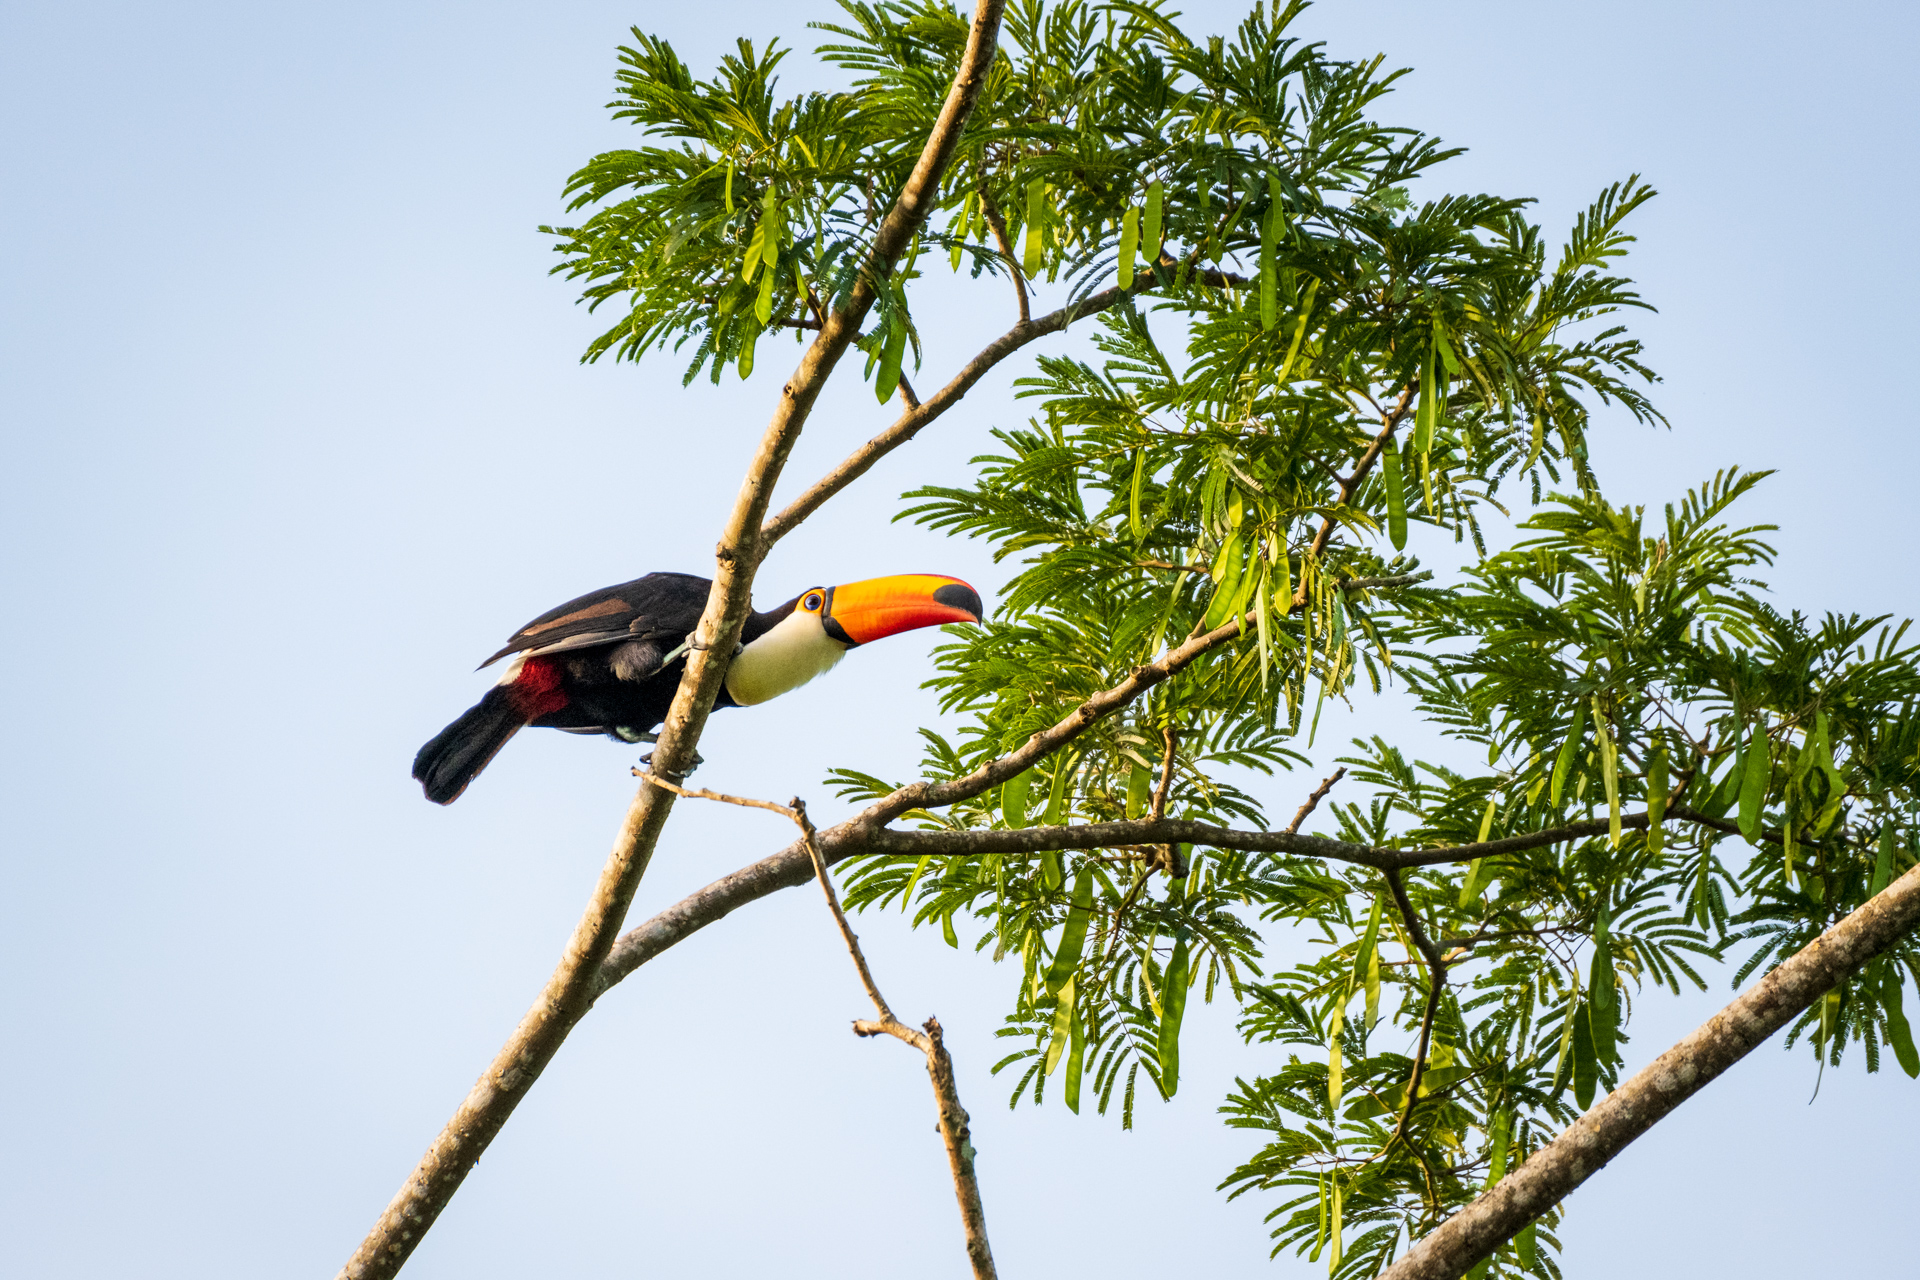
x=593 y=665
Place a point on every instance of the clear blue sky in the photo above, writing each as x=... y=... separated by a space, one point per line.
x=294 y=432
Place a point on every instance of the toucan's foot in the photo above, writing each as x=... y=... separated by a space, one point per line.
x=633 y=735
x=646 y=761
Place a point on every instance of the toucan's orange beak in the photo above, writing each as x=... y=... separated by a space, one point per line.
x=860 y=612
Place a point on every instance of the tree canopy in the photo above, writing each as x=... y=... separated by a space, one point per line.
x=1658 y=774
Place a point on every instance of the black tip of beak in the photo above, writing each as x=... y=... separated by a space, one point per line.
x=958 y=595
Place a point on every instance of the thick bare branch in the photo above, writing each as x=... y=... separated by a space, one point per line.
x=790 y=867
x=569 y=992
x=1552 y=1173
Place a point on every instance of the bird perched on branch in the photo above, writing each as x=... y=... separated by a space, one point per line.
x=610 y=661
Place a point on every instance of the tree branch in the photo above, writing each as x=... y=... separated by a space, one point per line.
x=1552 y=1173
x=569 y=992
x=1350 y=486
x=953 y=1117
x=1437 y=967
x=1395 y=580
x=811 y=839
x=1164 y=856
x=1313 y=801
x=916 y=418
x=791 y=866
x=999 y=225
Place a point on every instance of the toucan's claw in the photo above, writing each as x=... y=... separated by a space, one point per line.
x=646 y=761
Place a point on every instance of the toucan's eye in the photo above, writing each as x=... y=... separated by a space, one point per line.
x=812 y=603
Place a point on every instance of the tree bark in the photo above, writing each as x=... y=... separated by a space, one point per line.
x=1460 y=1243
x=569 y=992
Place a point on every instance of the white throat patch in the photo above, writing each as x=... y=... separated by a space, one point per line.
x=794 y=652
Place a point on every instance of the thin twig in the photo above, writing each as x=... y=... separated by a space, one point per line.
x=1388 y=421
x=953 y=1117
x=812 y=838
x=914 y=420
x=999 y=225
x=1170 y=740
x=1438 y=965
x=1393 y=580
x=1313 y=801
x=696 y=793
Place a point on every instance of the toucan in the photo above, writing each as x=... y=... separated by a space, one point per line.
x=609 y=661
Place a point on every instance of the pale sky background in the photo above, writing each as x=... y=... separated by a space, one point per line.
x=294 y=434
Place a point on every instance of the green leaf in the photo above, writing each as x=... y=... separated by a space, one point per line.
x=1133 y=493
x=1477 y=870
x=1057 y=796
x=1501 y=1136
x=1139 y=791
x=750 y=261
x=913 y=882
x=1062 y=1026
x=1333 y=1054
x=1569 y=749
x=1657 y=787
x=1445 y=348
x=1227 y=568
x=891 y=355
x=1076 y=1059
x=763 y=301
x=744 y=360
x=1014 y=793
x=1339 y=1222
x=1283 y=594
x=1299 y=334
x=1320 y=1237
x=1586 y=1072
x=1883 y=864
x=1129 y=245
x=1035 y=252
x=1603 y=1007
x=1899 y=1034
x=1073 y=933
x=1395 y=485
x=1753 y=783
x=1428 y=408
x=1365 y=959
x=1391 y=1101
x=1373 y=983
x=1173 y=1005
x=1609 y=772
x=1269 y=272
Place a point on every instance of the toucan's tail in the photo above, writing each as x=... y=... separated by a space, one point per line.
x=458 y=753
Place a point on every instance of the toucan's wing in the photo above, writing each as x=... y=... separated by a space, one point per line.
x=658 y=606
